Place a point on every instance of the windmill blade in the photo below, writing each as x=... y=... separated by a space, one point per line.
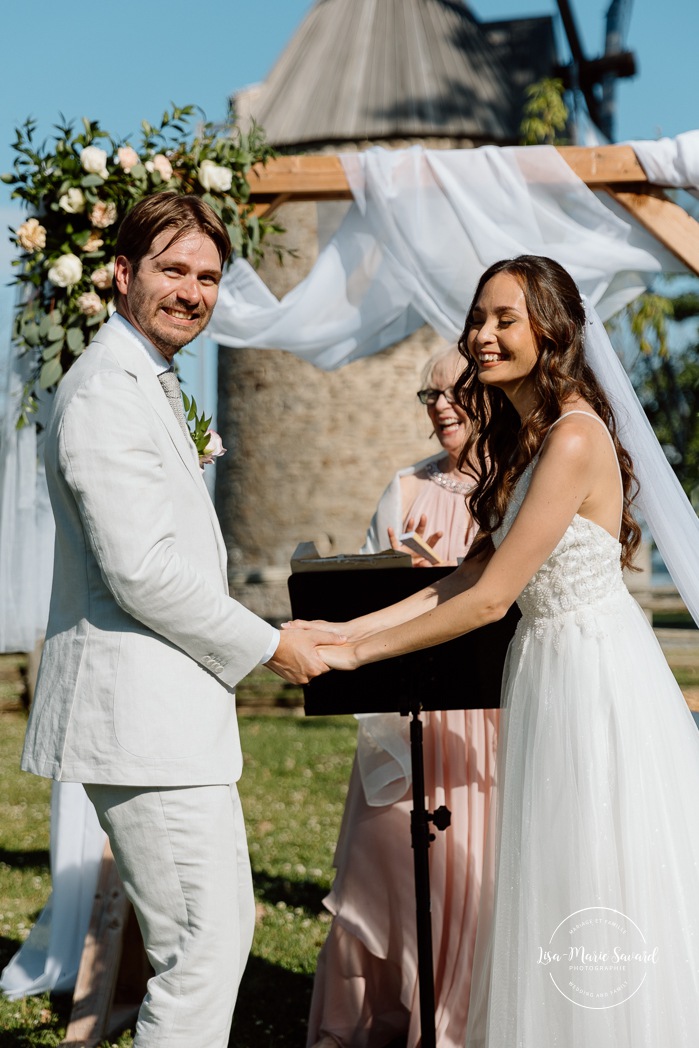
x=617 y=22
x=596 y=77
x=616 y=29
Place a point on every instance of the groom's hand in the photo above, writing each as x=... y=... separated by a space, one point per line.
x=296 y=658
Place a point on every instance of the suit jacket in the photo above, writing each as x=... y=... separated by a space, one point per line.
x=144 y=645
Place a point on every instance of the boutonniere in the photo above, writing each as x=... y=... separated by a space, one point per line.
x=207 y=441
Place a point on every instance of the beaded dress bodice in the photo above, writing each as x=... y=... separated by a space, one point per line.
x=582 y=574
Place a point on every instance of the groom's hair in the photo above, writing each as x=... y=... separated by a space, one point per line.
x=160 y=212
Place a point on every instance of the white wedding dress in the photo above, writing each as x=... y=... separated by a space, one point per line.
x=592 y=937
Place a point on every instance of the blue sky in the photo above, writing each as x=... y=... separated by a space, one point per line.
x=119 y=63
x=124 y=61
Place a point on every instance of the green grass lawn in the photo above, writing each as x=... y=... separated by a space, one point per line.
x=293 y=790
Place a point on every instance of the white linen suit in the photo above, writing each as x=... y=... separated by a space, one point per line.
x=143 y=644
x=135 y=692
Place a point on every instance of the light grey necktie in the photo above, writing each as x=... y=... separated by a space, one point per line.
x=171 y=384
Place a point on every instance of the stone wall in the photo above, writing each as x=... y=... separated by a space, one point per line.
x=309 y=452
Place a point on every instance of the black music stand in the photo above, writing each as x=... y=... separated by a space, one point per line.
x=465 y=673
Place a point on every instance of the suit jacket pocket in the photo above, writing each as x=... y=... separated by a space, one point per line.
x=167 y=706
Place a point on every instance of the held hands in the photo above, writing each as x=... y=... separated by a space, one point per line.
x=339 y=657
x=337 y=641
x=420 y=529
x=298 y=657
x=345 y=631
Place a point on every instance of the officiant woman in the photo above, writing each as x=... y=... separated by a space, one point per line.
x=366 y=987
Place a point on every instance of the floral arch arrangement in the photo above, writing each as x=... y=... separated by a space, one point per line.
x=77 y=186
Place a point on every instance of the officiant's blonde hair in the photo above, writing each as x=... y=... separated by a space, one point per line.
x=446 y=355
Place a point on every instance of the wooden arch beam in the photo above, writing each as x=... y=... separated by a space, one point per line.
x=614 y=169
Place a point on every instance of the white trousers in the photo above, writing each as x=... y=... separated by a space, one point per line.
x=182 y=855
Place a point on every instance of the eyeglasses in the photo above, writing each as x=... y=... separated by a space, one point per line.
x=431 y=396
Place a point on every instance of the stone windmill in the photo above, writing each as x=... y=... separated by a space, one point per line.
x=309 y=451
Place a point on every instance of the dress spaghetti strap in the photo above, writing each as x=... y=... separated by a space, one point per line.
x=595 y=418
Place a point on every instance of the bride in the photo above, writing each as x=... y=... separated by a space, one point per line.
x=592 y=935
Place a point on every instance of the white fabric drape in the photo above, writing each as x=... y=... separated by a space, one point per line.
x=661 y=501
x=423 y=227
x=26 y=525
x=671 y=162
x=50 y=957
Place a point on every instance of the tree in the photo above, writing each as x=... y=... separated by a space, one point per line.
x=667 y=381
x=545 y=114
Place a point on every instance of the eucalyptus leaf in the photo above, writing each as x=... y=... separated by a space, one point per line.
x=52 y=350
x=54 y=333
x=44 y=325
x=97 y=319
x=30 y=333
x=90 y=181
x=51 y=373
x=75 y=340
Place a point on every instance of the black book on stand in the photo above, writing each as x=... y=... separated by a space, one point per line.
x=465 y=673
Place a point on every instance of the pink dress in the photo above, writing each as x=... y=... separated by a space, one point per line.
x=366 y=988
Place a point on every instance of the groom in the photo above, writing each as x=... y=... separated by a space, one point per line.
x=144 y=645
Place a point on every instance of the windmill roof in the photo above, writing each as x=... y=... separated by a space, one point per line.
x=377 y=69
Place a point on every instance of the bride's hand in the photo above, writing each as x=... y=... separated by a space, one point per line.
x=339 y=656
x=346 y=630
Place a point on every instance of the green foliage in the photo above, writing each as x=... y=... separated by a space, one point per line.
x=77 y=186
x=198 y=424
x=669 y=391
x=648 y=317
x=667 y=382
x=545 y=114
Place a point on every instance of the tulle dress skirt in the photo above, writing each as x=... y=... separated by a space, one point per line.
x=591 y=936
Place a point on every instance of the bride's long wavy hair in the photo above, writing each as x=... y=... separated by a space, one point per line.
x=500 y=444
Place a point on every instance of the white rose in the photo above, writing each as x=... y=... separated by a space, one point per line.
x=102 y=277
x=73 y=201
x=215 y=446
x=31 y=235
x=127 y=158
x=162 y=165
x=94 y=161
x=214 y=177
x=66 y=271
x=89 y=303
x=213 y=450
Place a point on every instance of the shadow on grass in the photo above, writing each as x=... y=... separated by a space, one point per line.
x=27 y=860
x=304 y=894
x=272 y=1008
x=42 y=1021
x=8 y=948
